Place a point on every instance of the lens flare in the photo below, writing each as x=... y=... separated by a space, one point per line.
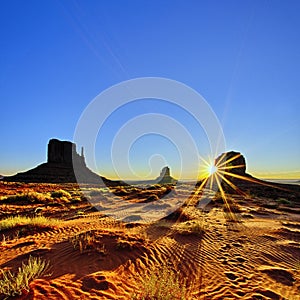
x=212 y=169
x=223 y=174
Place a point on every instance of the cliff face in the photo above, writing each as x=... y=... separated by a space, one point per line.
x=59 y=167
x=232 y=162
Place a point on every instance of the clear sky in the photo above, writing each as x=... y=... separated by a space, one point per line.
x=243 y=57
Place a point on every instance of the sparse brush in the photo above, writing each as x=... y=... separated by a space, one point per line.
x=191 y=227
x=37 y=221
x=83 y=241
x=31 y=197
x=161 y=283
x=120 y=191
x=283 y=201
x=14 y=284
x=62 y=195
x=152 y=198
x=87 y=240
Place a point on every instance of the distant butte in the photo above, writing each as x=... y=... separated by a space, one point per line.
x=232 y=166
x=165 y=177
x=59 y=167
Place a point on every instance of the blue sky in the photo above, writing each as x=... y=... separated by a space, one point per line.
x=243 y=57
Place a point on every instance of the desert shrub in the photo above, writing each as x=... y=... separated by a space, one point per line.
x=161 y=283
x=87 y=240
x=283 y=201
x=32 y=197
x=83 y=241
x=119 y=191
x=61 y=194
x=75 y=200
x=191 y=227
x=14 y=284
x=152 y=198
x=154 y=187
x=37 y=221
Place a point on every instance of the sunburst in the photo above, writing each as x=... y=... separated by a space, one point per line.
x=223 y=170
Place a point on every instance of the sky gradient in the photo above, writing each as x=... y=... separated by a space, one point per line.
x=243 y=57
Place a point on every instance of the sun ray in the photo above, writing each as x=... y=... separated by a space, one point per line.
x=222 y=171
x=194 y=199
x=225 y=200
x=206 y=162
x=220 y=164
x=230 y=167
x=220 y=159
x=232 y=185
x=202 y=185
x=253 y=180
x=212 y=181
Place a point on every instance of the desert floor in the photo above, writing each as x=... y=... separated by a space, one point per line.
x=92 y=256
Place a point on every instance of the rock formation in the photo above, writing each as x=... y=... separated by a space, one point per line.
x=59 y=167
x=165 y=177
x=232 y=162
x=235 y=163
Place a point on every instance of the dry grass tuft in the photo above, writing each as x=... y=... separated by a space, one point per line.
x=191 y=227
x=61 y=195
x=37 y=221
x=87 y=241
x=15 y=284
x=162 y=283
x=29 y=197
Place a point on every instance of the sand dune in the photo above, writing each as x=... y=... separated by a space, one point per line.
x=257 y=257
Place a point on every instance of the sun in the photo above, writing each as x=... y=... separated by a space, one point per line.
x=211 y=169
x=208 y=168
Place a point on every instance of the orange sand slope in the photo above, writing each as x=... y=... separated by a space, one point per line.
x=256 y=256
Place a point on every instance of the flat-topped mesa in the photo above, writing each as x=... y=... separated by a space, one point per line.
x=232 y=162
